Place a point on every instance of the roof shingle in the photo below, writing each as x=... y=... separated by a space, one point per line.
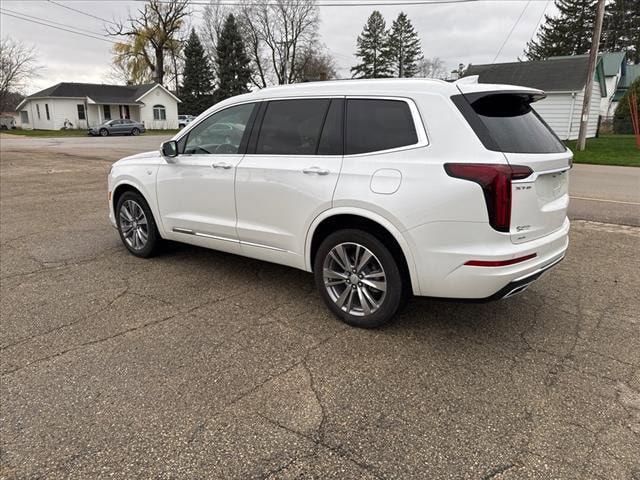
x=99 y=93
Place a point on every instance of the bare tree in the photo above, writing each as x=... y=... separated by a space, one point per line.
x=432 y=68
x=18 y=65
x=316 y=64
x=151 y=35
x=277 y=34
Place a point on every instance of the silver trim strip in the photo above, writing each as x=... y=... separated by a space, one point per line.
x=250 y=244
x=534 y=176
x=187 y=231
x=541 y=269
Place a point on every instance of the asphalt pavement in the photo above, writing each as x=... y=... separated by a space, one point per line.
x=198 y=364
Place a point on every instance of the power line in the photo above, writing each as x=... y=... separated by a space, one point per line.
x=342 y=3
x=511 y=31
x=540 y=19
x=80 y=11
x=58 y=28
x=51 y=21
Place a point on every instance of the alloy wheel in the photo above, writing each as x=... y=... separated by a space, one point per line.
x=133 y=225
x=354 y=279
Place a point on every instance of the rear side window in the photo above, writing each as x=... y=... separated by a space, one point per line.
x=508 y=123
x=292 y=127
x=375 y=125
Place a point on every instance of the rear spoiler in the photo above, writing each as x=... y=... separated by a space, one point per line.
x=529 y=94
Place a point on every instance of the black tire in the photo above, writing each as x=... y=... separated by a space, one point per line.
x=396 y=286
x=153 y=240
x=104 y=132
x=135 y=132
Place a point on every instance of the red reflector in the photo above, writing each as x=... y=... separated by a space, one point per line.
x=495 y=180
x=499 y=263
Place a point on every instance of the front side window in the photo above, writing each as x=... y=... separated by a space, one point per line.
x=81 y=115
x=24 y=116
x=159 y=112
x=292 y=127
x=46 y=108
x=375 y=125
x=107 y=112
x=221 y=133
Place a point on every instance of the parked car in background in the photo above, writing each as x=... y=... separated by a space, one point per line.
x=184 y=120
x=381 y=188
x=120 y=126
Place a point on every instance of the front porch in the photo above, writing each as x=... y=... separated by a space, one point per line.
x=98 y=113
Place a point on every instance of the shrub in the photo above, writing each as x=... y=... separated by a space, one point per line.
x=622 y=115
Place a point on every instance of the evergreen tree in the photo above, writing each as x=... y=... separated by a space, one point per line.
x=234 y=73
x=197 y=85
x=569 y=33
x=622 y=29
x=404 y=47
x=372 y=49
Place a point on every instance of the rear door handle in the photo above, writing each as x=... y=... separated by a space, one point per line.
x=316 y=170
x=224 y=165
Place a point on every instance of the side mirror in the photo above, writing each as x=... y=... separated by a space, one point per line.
x=169 y=149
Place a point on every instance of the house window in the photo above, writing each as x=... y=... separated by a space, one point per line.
x=46 y=108
x=38 y=110
x=107 y=112
x=81 y=115
x=159 y=112
x=24 y=116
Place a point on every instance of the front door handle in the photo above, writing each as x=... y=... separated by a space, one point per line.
x=316 y=170
x=224 y=165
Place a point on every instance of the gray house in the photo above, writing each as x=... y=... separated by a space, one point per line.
x=563 y=79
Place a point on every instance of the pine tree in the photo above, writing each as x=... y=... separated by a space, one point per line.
x=622 y=29
x=569 y=33
x=372 y=49
x=197 y=86
x=404 y=47
x=234 y=73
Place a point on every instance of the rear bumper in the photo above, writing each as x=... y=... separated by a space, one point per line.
x=443 y=249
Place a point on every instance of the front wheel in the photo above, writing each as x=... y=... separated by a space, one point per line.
x=104 y=132
x=358 y=278
x=136 y=225
x=135 y=132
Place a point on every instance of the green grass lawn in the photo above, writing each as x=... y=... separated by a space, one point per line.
x=608 y=150
x=74 y=133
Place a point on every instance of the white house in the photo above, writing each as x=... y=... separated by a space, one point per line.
x=563 y=79
x=82 y=105
x=614 y=65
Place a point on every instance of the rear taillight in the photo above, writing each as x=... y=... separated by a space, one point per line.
x=495 y=181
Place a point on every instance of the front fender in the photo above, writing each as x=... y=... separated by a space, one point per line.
x=142 y=179
x=375 y=217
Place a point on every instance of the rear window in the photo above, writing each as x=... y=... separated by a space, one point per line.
x=375 y=125
x=508 y=123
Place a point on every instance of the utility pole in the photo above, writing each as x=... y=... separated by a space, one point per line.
x=591 y=71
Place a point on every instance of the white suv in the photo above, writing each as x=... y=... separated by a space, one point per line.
x=381 y=188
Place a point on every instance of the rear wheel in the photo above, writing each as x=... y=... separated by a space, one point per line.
x=136 y=225
x=135 y=132
x=104 y=132
x=358 y=278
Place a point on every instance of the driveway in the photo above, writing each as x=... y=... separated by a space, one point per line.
x=197 y=364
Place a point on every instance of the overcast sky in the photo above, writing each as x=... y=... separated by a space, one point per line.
x=465 y=33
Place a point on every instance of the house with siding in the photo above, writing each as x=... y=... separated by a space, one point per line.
x=563 y=79
x=615 y=68
x=84 y=105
